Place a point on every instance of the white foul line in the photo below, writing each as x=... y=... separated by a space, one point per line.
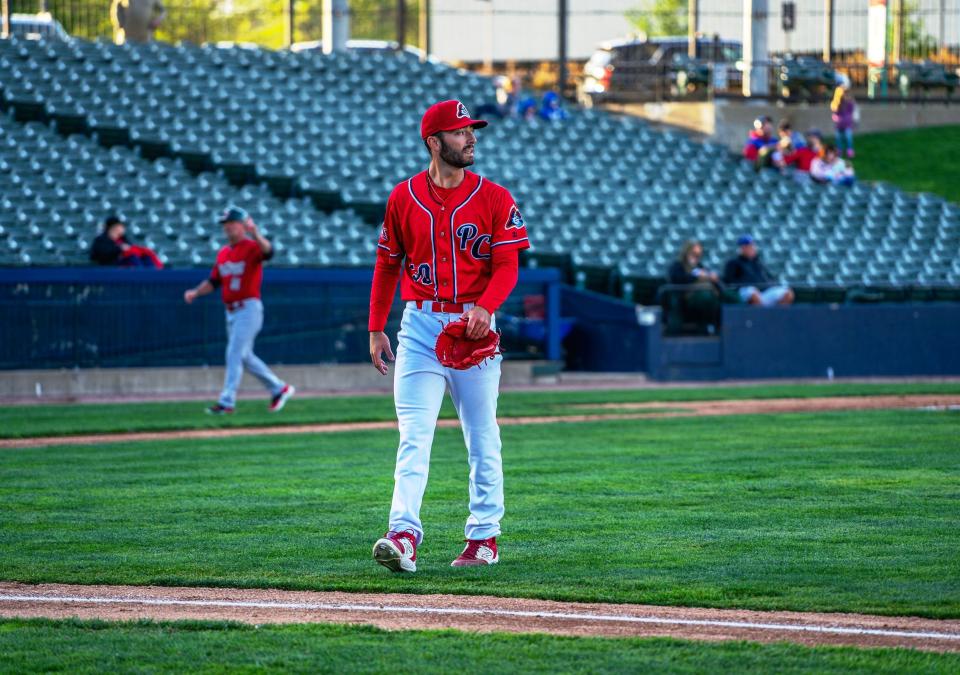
x=840 y=630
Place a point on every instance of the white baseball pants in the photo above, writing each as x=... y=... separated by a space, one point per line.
x=419 y=385
x=243 y=324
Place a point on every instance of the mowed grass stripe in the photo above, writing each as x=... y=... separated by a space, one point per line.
x=96 y=647
x=819 y=512
x=57 y=420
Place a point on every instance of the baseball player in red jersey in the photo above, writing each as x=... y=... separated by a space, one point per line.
x=453 y=238
x=238 y=273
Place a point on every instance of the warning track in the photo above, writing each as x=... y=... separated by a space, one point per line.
x=472 y=613
x=623 y=411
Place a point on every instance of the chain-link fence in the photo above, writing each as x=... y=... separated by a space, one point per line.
x=265 y=23
x=922 y=41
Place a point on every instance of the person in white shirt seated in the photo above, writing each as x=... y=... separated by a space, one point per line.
x=831 y=169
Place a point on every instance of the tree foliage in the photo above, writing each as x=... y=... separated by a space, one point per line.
x=263 y=22
x=660 y=17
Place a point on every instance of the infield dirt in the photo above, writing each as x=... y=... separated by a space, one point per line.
x=473 y=613
x=628 y=411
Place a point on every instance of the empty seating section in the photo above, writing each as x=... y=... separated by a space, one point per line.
x=55 y=193
x=288 y=134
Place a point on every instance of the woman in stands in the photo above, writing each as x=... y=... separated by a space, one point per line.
x=844 y=113
x=699 y=302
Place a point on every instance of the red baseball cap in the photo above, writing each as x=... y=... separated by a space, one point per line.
x=447 y=116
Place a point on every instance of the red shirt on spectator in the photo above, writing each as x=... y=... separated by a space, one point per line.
x=801 y=158
x=757 y=141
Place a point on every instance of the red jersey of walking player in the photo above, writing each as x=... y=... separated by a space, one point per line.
x=454 y=239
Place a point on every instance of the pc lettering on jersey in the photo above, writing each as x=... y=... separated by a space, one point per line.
x=466 y=232
x=479 y=245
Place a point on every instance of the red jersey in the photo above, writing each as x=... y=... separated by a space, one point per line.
x=445 y=241
x=239 y=271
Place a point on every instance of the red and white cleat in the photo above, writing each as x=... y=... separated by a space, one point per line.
x=280 y=400
x=397 y=551
x=478 y=552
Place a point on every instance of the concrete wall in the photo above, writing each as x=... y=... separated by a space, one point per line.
x=80 y=383
x=728 y=122
x=505 y=30
x=733 y=120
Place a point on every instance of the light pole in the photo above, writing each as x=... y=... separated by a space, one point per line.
x=562 y=44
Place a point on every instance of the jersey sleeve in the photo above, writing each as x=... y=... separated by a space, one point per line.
x=390 y=245
x=386 y=271
x=509 y=229
x=255 y=254
x=215 y=278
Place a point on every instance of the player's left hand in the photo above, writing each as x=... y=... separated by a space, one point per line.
x=478 y=322
x=249 y=225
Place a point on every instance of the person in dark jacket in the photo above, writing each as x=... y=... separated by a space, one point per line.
x=112 y=248
x=688 y=268
x=701 y=303
x=754 y=283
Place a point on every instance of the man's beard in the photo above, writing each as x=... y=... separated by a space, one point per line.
x=452 y=157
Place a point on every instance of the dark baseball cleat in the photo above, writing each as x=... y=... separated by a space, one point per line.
x=397 y=551
x=478 y=552
x=280 y=400
x=219 y=410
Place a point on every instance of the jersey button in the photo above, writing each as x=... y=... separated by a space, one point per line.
x=444 y=283
x=443 y=260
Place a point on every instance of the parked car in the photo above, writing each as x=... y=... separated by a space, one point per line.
x=645 y=69
x=37 y=26
x=364 y=46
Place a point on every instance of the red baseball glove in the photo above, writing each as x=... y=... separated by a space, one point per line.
x=454 y=350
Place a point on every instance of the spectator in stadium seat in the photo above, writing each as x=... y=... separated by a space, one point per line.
x=527 y=108
x=831 y=169
x=789 y=137
x=754 y=283
x=761 y=148
x=688 y=268
x=800 y=159
x=550 y=108
x=505 y=105
x=111 y=247
x=701 y=303
x=843 y=109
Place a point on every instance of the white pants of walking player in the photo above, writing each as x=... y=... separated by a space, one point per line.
x=419 y=385
x=243 y=325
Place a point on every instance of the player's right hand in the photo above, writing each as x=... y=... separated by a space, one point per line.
x=189 y=296
x=380 y=345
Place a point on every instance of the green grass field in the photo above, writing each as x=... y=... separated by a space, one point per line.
x=914 y=159
x=841 y=511
x=96 y=647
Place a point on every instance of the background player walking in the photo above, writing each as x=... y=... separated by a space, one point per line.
x=238 y=273
x=454 y=237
